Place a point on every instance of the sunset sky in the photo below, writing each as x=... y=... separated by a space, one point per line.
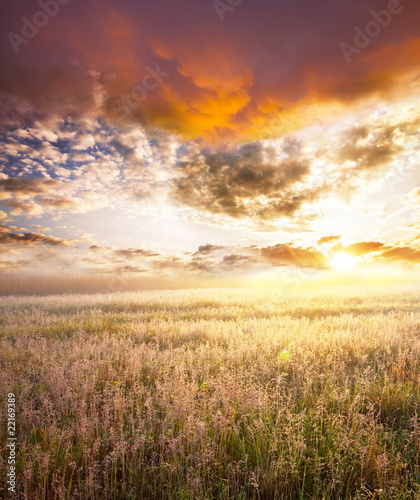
x=210 y=139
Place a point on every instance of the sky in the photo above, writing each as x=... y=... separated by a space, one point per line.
x=269 y=141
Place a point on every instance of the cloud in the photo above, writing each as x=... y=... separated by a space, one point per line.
x=382 y=252
x=11 y=266
x=259 y=182
x=327 y=239
x=20 y=207
x=169 y=263
x=413 y=197
x=200 y=264
x=221 y=77
x=242 y=261
x=33 y=197
x=59 y=202
x=126 y=168
x=129 y=269
x=83 y=132
x=404 y=254
x=368 y=150
x=209 y=248
x=247 y=181
x=130 y=253
x=24 y=188
x=364 y=248
x=9 y=238
x=287 y=254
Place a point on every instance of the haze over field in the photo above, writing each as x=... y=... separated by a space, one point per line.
x=195 y=143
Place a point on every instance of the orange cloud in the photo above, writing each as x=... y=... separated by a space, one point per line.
x=382 y=252
x=327 y=239
x=407 y=254
x=287 y=254
x=253 y=74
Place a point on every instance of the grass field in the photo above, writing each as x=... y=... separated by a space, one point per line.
x=213 y=394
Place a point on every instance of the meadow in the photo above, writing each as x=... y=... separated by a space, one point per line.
x=213 y=394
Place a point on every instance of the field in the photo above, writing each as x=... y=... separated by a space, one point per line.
x=213 y=394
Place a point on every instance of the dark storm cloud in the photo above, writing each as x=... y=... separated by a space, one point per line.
x=348 y=90
x=217 y=75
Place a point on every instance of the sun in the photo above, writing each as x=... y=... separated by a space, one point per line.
x=343 y=261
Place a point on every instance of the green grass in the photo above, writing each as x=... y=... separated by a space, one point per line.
x=214 y=395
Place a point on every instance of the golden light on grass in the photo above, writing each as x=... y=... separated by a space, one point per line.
x=343 y=261
x=124 y=389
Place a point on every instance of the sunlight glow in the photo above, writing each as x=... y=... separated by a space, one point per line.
x=343 y=262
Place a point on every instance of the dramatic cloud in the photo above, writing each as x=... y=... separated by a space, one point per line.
x=139 y=131
x=249 y=181
x=191 y=70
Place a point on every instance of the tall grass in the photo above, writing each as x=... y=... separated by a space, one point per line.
x=213 y=395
